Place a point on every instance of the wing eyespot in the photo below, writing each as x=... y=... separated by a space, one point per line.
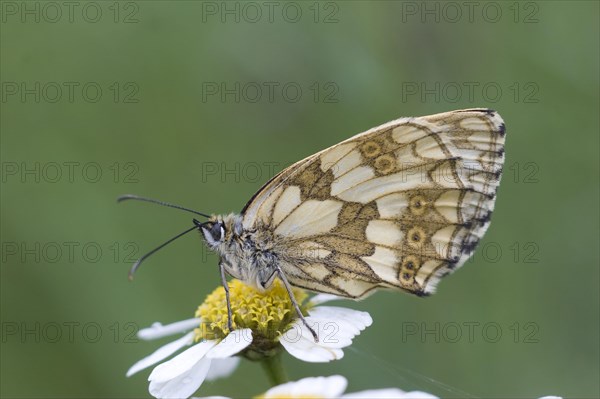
x=371 y=149
x=418 y=205
x=385 y=164
x=416 y=237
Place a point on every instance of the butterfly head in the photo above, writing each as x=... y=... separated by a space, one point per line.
x=219 y=230
x=244 y=254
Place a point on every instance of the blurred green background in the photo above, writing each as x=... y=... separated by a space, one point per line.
x=171 y=100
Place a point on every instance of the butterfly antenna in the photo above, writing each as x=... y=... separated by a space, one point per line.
x=138 y=198
x=137 y=264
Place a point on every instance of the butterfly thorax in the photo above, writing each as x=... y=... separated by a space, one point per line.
x=247 y=255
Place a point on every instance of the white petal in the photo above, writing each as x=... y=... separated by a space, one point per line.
x=181 y=363
x=318 y=387
x=336 y=327
x=299 y=342
x=157 y=330
x=161 y=353
x=551 y=397
x=209 y=397
x=234 y=342
x=389 y=393
x=322 y=298
x=358 y=319
x=183 y=385
x=332 y=334
x=221 y=368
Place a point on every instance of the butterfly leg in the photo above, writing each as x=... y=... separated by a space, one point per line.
x=226 y=287
x=295 y=303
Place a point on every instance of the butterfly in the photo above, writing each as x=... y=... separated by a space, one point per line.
x=397 y=207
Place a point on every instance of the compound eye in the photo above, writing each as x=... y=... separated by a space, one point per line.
x=217 y=231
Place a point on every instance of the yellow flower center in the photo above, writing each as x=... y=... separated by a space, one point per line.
x=268 y=314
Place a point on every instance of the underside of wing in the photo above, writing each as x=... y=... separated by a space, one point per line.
x=398 y=206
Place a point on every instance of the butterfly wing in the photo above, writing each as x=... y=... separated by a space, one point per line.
x=398 y=206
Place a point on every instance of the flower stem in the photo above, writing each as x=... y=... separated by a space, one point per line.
x=273 y=366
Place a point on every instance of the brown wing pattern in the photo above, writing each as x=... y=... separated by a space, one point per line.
x=398 y=206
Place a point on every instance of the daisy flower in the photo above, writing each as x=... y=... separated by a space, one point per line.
x=334 y=387
x=265 y=323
